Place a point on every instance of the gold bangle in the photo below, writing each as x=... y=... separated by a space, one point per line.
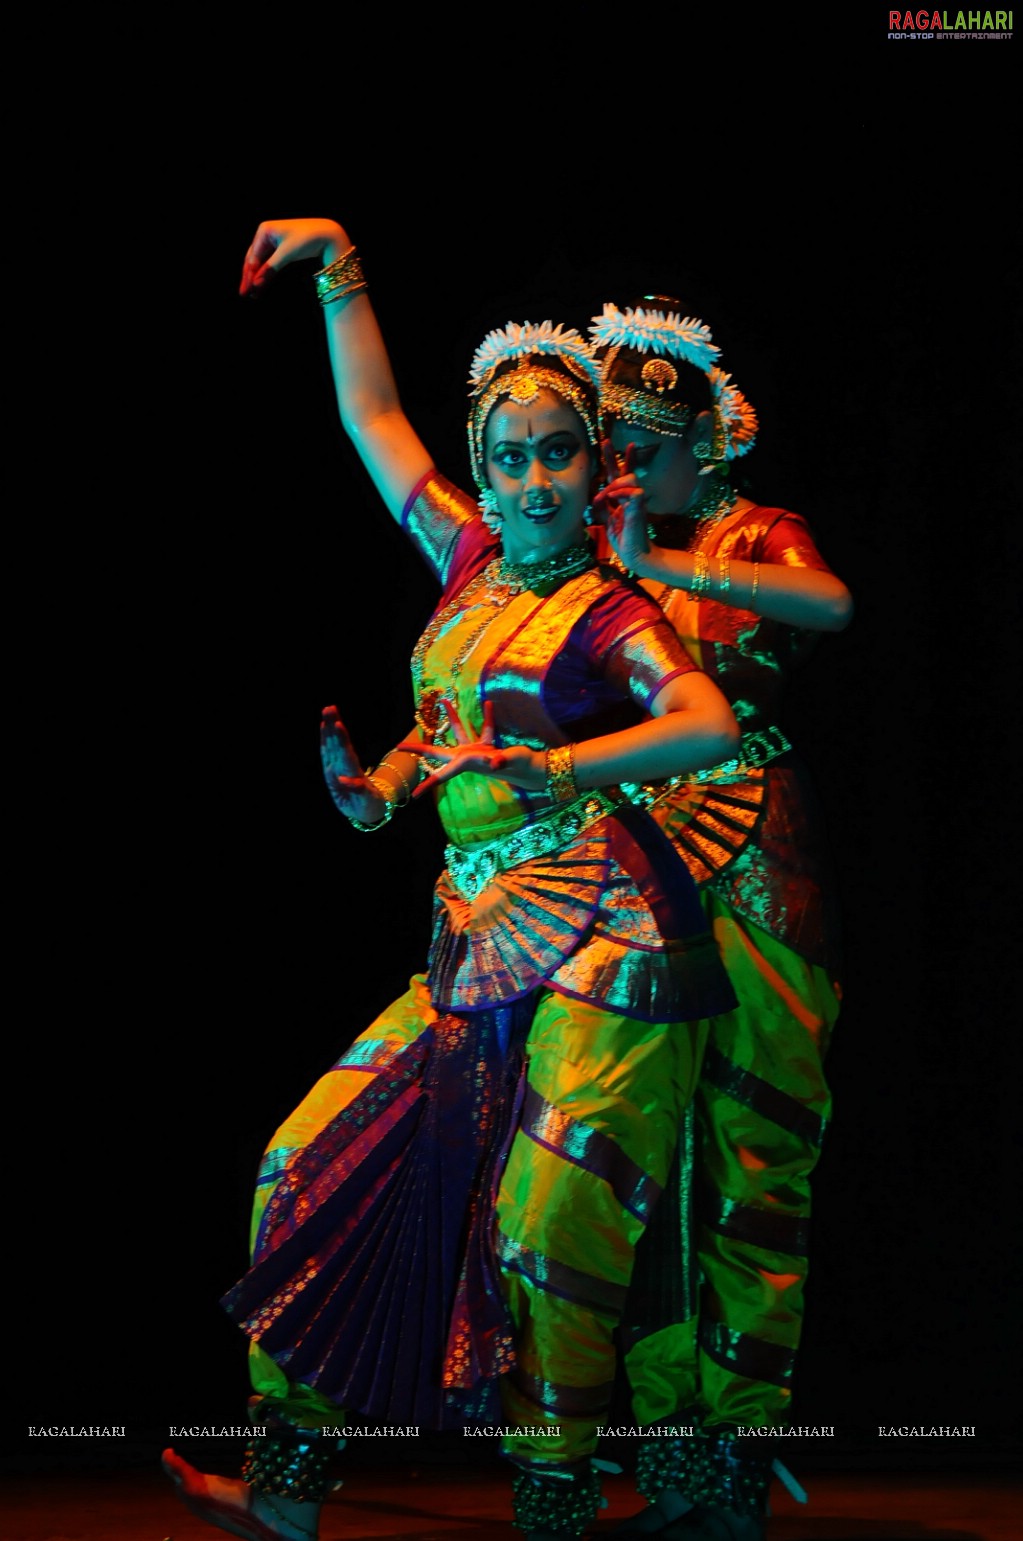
x=756 y=585
x=344 y=294
x=404 y=783
x=700 y=585
x=561 y=785
x=342 y=274
x=389 y=807
x=367 y=829
x=724 y=576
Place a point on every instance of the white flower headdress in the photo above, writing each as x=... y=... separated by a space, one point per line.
x=738 y=418
x=669 y=335
x=520 y=340
x=666 y=332
x=576 y=379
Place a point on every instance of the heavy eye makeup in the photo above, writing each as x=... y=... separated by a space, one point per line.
x=643 y=455
x=556 y=452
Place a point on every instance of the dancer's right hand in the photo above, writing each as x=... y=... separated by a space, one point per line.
x=620 y=505
x=280 y=241
x=346 y=780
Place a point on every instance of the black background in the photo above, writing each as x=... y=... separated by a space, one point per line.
x=199 y=934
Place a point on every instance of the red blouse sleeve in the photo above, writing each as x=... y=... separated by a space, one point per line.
x=435 y=517
x=787 y=540
x=638 y=648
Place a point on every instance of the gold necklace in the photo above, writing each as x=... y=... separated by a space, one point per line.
x=550 y=569
x=712 y=508
x=694 y=525
x=491 y=589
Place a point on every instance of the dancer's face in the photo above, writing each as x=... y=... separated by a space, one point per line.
x=540 y=466
x=666 y=468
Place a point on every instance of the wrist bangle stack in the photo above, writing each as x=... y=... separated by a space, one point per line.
x=405 y=791
x=700 y=586
x=340 y=279
x=561 y=785
x=756 y=585
x=389 y=807
x=724 y=576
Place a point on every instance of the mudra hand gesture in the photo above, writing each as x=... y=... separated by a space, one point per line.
x=346 y=780
x=277 y=242
x=620 y=506
x=516 y=764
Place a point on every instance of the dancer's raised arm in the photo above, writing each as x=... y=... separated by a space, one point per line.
x=367 y=396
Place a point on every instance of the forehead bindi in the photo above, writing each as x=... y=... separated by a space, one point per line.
x=531 y=424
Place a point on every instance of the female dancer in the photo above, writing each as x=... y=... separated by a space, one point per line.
x=452 y=1213
x=746 y=589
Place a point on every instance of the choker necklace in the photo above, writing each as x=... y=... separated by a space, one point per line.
x=688 y=531
x=549 y=569
x=715 y=503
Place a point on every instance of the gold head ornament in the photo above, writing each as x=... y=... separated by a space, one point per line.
x=545 y=357
x=651 y=394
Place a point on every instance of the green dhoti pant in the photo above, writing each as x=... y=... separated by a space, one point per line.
x=604 y=1098
x=733 y=1254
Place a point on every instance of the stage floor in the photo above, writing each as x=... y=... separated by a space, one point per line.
x=441 y=1506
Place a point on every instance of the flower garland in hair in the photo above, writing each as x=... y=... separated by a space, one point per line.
x=520 y=340
x=738 y=417
x=666 y=332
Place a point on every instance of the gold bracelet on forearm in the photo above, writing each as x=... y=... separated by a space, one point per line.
x=340 y=279
x=561 y=785
x=756 y=585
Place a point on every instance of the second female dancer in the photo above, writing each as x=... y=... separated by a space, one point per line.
x=716 y=1313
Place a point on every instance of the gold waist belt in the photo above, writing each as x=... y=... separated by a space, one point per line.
x=759 y=746
x=472 y=867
